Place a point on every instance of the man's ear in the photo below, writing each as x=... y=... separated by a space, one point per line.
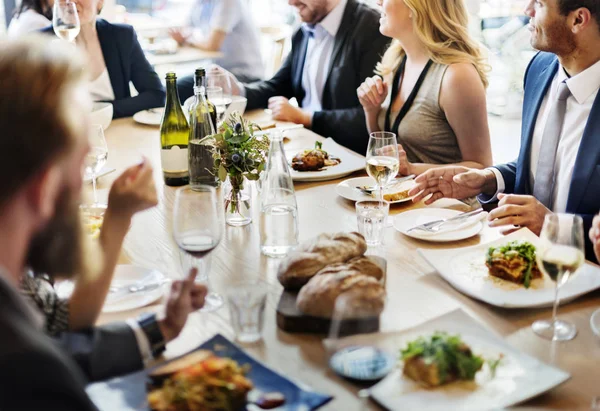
x=582 y=18
x=44 y=191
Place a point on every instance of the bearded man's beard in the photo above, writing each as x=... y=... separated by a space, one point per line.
x=62 y=249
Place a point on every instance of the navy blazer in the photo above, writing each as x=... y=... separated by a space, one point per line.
x=126 y=62
x=584 y=195
x=358 y=47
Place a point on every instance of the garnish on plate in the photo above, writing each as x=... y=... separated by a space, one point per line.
x=515 y=262
x=440 y=359
x=314 y=159
x=199 y=381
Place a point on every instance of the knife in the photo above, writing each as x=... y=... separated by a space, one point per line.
x=369 y=190
x=126 y=290
x=434 y=226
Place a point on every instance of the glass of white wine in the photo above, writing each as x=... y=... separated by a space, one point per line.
x=96 y=157
x=223 y=101
x=382 y=159
x=65 y=20
x=559 y=255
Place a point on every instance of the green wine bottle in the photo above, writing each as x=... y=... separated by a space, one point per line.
x=174 y=136
x=200 y=81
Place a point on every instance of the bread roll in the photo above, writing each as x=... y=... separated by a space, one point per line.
x=364 y=295
x=362 y=265
x=312 y=256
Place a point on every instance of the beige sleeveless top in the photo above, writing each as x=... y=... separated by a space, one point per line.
x=425 y=133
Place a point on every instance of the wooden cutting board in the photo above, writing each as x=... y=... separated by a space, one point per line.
x=292 y=320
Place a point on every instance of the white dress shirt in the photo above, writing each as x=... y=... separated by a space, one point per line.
x=101 y=88
x=27 y=22
x=318 y=57
x=584 y=89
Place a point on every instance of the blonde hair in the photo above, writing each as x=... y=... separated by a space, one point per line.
x=442 y=26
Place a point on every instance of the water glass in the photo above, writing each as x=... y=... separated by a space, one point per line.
x=371 y=216
x=247 y=310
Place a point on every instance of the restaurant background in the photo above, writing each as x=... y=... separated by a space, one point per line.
x=499 y=24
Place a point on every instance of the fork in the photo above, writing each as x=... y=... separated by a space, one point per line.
x=435 y=226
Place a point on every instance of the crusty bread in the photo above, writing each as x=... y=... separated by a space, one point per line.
x=301 y=265
x=362 y=265
x=365 y=296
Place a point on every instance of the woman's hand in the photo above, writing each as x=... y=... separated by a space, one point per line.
x=372 y=93
x=405 y=167
x=133 y=191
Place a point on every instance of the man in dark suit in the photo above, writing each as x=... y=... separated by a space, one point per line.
x=558 y=169
x=40 y=226
x=337 y=47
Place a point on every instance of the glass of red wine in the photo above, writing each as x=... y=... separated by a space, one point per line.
x=197 y=229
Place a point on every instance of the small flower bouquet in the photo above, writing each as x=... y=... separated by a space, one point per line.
x=238 y=155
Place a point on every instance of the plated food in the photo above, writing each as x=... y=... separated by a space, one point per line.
x=331 y=265
x=514 y=261
x=440 y=359
x=199 y=381
x=314 y=159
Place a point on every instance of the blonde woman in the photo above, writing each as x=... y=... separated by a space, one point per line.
x=430 y=86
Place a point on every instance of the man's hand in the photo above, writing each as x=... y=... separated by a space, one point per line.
x=283 y=111
x=132 y=192
x=185 y=298
x=520 y=211
x=595 y=235
x=452 y=182
x=236 y=86
x=179 y=35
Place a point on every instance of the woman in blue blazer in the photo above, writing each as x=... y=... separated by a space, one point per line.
x=115 y=58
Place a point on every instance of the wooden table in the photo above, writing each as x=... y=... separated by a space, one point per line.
x=415 y=292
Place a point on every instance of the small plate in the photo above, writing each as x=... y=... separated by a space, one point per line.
x=348 y=190
x=350 y=162
x=151 y=117
x=127 y=275
x=409 y=219
x=465 y=270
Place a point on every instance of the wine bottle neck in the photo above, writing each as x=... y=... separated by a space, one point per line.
x=172 y=94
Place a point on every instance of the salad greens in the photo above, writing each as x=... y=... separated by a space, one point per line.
x=521 y=248
x=451 y=355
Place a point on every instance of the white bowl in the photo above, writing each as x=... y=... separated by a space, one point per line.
x=102 y=113
x=238 y=103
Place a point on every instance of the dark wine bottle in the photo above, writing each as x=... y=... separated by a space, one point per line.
x=174 y=136
x=200 y=81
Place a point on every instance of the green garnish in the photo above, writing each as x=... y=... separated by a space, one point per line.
x=521 y=248
x=318 y=145
x=451 y=355
x=493 y=364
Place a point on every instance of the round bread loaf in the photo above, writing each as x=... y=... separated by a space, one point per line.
x=304 y=263
x=364 y=296
x=362 y=265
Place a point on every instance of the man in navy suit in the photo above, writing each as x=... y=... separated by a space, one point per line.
x=558 y=169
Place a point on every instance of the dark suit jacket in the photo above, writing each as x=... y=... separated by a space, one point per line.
x=126 y=62
x=36 y=373
x=357 y=49
x=584 y=195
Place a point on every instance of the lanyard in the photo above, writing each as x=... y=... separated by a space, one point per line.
x=411 y=97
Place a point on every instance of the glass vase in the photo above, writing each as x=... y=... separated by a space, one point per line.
x=237 y=195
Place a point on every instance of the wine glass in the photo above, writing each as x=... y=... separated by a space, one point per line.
x=559 y=255
x=65 y=20
x=223 y=101
x=382 y=159
x=96 y=157
x=197 y=229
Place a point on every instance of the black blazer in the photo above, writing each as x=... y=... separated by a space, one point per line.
x=36 y=373
x=126 y=62
x=357 y=49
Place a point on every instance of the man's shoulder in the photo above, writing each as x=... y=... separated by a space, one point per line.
x=541 y=61
x=365 y=16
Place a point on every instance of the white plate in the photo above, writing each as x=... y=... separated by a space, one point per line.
x=130 y=274
x=150 y=117
x=350 y=162
x=519 y=376
x=348 y=190
x=465 y=270
x=409 y=219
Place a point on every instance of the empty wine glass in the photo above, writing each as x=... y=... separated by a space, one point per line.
x=197 y=229
x=96 y=157
x=65 y=20
x=223 y=101
x=559 y=255
x=382 y=159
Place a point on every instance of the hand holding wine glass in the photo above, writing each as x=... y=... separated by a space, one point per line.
x=382 y=158
x=65 y=20
x=96 y=157
x=559 y=256
x=198 y=227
